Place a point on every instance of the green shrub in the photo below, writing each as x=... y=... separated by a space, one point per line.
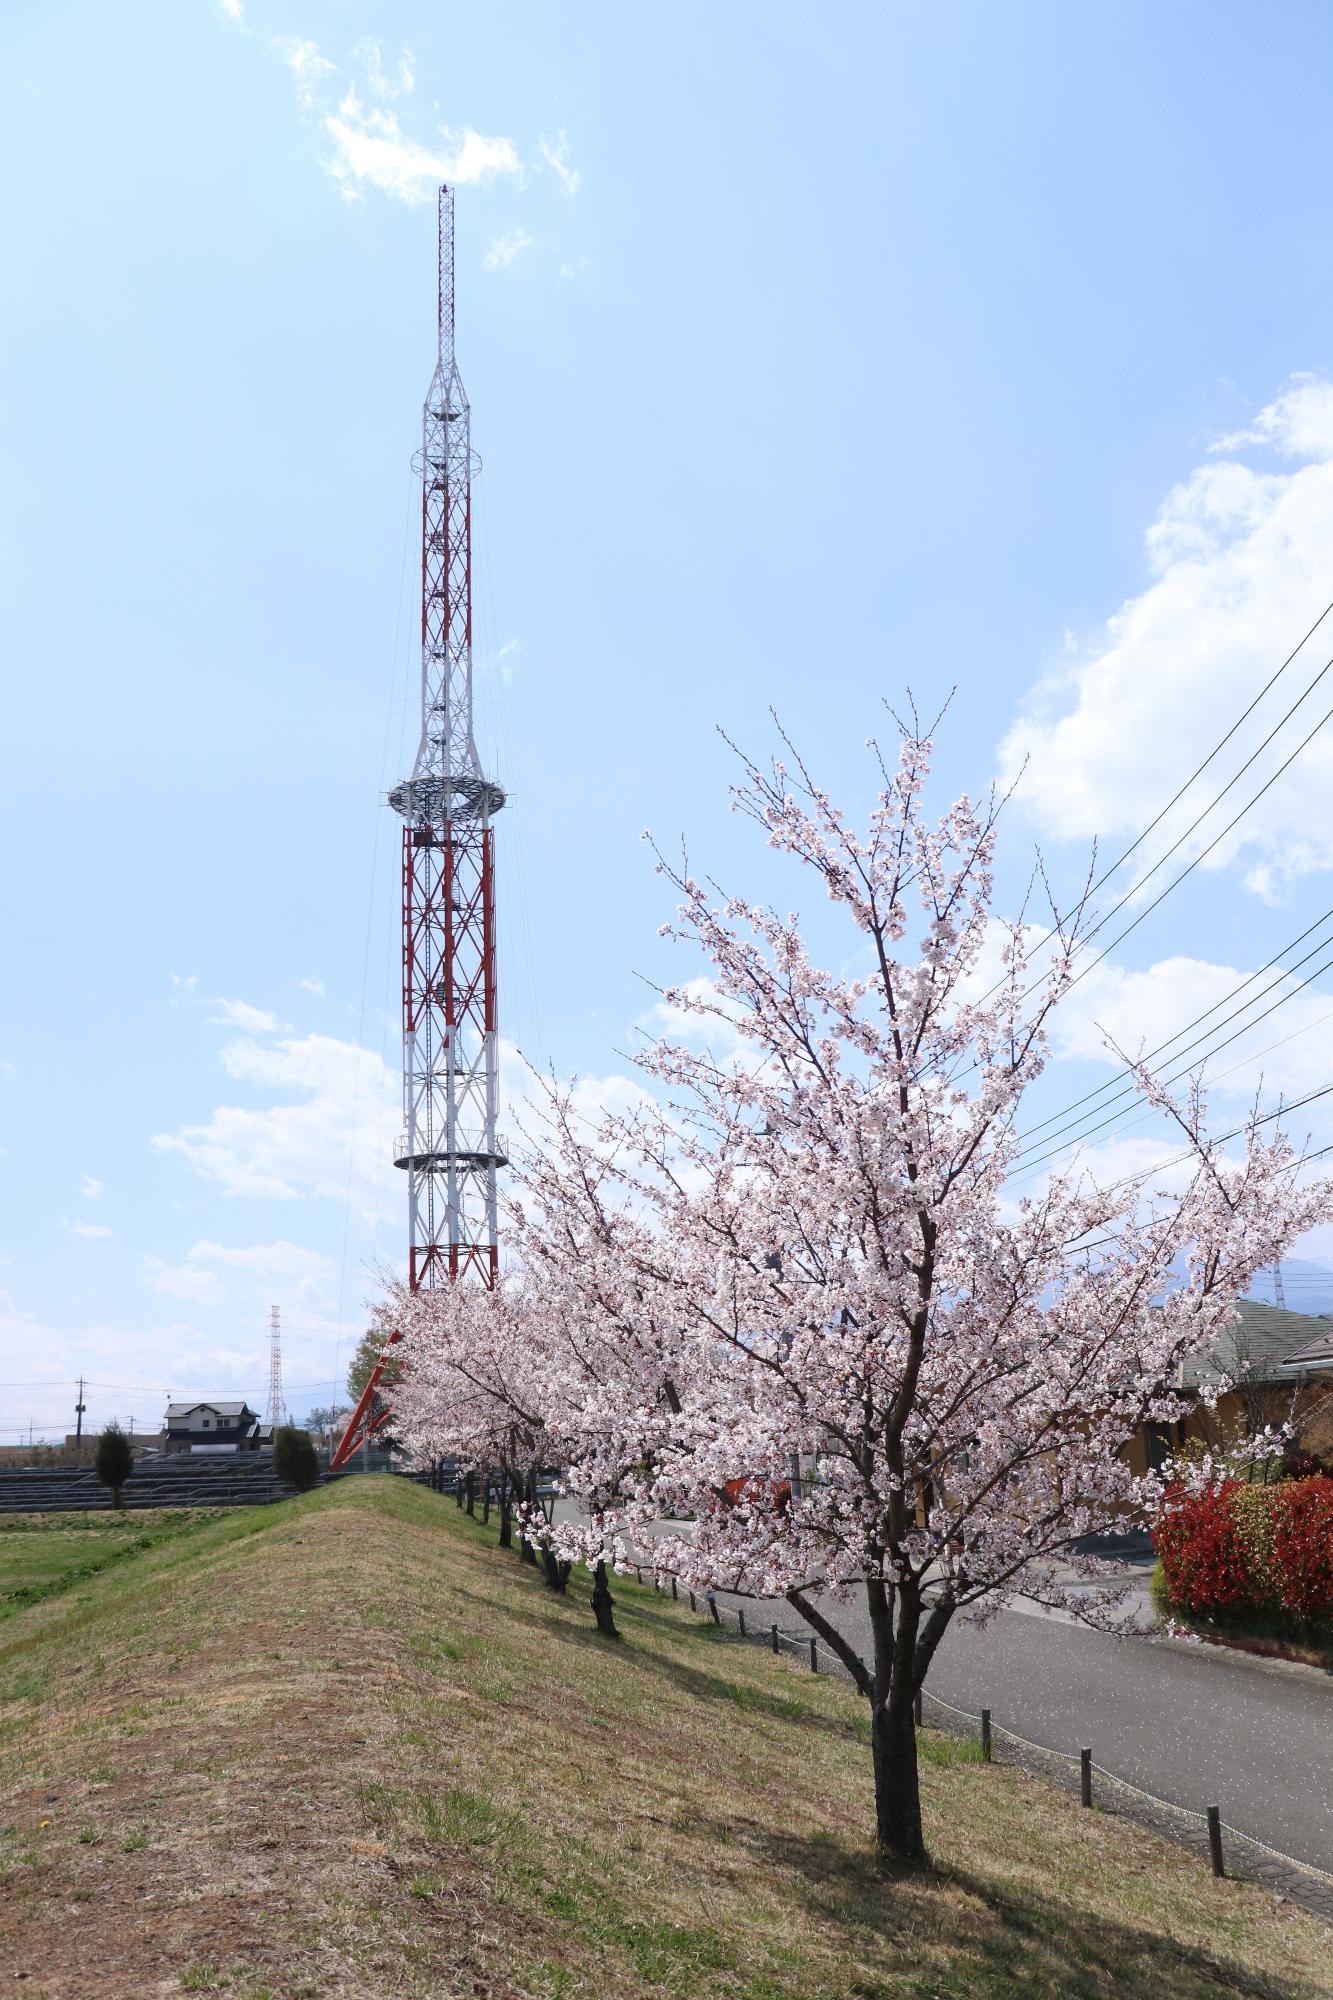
x=114 y=1459
x=295 y=1459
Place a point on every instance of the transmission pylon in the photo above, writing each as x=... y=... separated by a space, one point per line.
x=276 y=1413
x=1279 y=1295
x=450 y=1149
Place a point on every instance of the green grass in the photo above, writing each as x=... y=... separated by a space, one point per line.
x=42 y=1555
x=344 y=1746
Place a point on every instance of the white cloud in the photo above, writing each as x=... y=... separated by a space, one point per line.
x=556 y=157
x=233 y=11
x=311 y=985
x=308 y=67
x=575 y=267
x=194 y=1282
x=505 y=247
x=7 y=1069
x=240 y=1014
x=371 y=149
x=91 y=1188
x=182 y=989
x=1139 y=1011
x=703 y=1017
x=92 y=1229
x=509 y=651
x=367 y=53
x=342 y=1108
x=1239 y=557
x=282 y=1268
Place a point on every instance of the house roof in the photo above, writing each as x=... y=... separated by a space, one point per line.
x=1260 y=1348
x=222 y=1407
x=1317 y=1354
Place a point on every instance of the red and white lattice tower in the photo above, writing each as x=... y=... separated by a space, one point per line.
x=451 y=1148
x=276 y=1411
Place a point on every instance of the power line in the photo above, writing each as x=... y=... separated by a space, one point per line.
x=1197 y=773
x=1201 y=857
x=1116 y=1117
x=1276 y=960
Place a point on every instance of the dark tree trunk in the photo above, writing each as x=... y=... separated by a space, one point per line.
x=895 y=1618
x=603 y=1604
x=485 y=1495
x=557 y=1573
x=471 y=1484
x=897 y=1787
x=506 y=1514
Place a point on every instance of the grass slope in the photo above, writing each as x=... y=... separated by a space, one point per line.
x=343 y=1746
x=42 y=1555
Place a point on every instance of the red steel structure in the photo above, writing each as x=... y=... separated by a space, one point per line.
x=451 y=1149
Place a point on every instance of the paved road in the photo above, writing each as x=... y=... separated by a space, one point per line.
x=1195 y=1725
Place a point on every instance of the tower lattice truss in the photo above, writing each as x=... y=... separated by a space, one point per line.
x=276 y=1411
x=450 y=1149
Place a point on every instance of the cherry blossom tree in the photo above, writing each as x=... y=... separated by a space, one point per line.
x=470 y=1383
x=492 y=1378
x=808 y=1309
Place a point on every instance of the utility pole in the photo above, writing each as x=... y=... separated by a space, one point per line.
x=451 y=1149
x=78 y=1414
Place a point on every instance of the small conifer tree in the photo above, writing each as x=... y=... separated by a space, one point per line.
x=114 y=1460
x=294 y=1458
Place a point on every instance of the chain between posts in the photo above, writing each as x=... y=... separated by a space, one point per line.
x=989 y=1731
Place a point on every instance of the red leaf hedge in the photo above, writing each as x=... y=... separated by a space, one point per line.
x=1245 y=1547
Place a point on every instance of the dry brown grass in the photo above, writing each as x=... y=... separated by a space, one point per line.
x=345 y=1747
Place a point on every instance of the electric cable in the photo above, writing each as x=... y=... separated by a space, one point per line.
x=1271 y=964
x=1116 y=1117
x=1197 y=773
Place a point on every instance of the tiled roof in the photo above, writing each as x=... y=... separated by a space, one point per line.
x=1259 y=1348
x=224 y=1408
x=1318 y=1354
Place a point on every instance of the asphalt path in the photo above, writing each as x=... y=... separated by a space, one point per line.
x=1196 y=1725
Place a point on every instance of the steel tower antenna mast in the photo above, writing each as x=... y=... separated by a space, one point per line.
x=276 y=1411
x=451 y=1148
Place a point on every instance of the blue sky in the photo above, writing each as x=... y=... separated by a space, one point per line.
x=811 y=357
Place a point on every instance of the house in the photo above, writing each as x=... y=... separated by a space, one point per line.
x=222 y=1424
x=1312 y=1367
x=1278 y=1367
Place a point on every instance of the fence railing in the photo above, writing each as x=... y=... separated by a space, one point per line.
x=1203 y=1830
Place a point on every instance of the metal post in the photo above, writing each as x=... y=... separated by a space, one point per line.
x=675 y=1594
x=814 y=1657
x=1215 y=1839
x=712 y=1606
x=693 y=1605
x=985 y=1735
x=775 y=1639
x=1085 y=1776
x=740 y=1617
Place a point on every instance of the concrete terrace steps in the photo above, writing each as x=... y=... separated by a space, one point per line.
x=154 y=1482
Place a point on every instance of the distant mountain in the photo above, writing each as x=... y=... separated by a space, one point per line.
x=1307 y=1286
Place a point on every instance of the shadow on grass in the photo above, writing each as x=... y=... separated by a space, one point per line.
x=1004 y=1940
x=704 y=1684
